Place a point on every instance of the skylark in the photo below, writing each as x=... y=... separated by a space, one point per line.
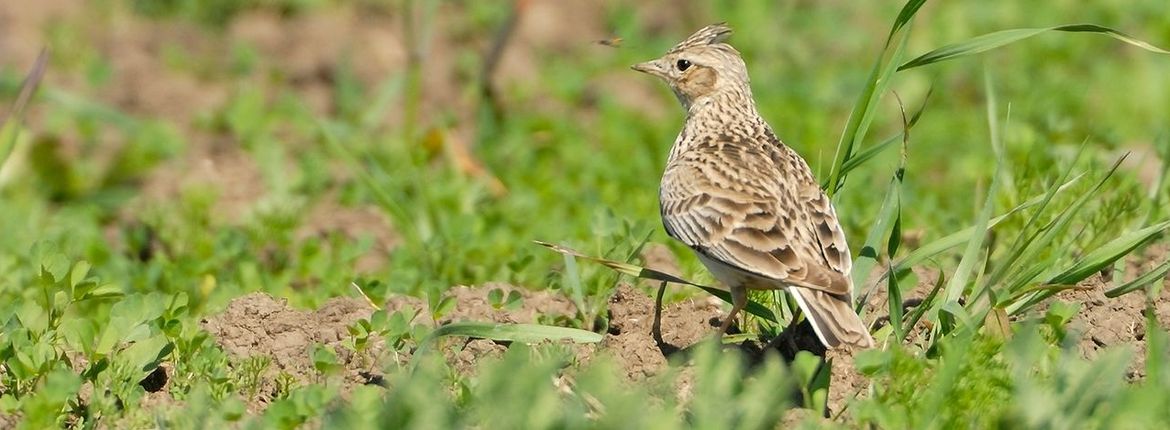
x=743 y=201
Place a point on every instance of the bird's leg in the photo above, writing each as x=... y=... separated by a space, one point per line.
x=738 y=301
x=656 y=330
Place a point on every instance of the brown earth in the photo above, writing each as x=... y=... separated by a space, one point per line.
x=258 y=324
x=1103 y=322
x=630 y=339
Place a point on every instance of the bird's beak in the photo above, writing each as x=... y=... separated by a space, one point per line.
x=653 y=67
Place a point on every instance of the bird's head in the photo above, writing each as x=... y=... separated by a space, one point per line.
x=700 y=66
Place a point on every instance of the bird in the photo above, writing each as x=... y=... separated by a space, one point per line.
x=743 y=201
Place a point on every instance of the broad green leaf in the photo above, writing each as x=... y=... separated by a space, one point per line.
x=813 y=374
x=325 y=360
x=43 y=409
x=1000 y=38
x=103 y=291
x=146 y=354
x=78 y=273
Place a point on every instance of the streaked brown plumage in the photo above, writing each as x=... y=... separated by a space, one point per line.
x=746 y=203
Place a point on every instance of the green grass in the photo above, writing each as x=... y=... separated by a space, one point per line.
x=1007 y=177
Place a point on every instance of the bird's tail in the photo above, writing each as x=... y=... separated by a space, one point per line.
x=832 y=318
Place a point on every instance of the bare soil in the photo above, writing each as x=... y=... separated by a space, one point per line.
x=1103 y=322
x=258 y=324
x=631 y=320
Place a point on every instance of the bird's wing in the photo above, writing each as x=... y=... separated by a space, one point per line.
x=732 y=203
x=830 y=237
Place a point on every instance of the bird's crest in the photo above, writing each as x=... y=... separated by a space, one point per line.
x=709 y=35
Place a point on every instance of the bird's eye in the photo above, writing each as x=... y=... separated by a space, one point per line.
x=683 y=65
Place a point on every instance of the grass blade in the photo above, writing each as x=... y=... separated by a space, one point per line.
x=868 y=257
x=1101 y=257
x=1154 y=275
x=1048 y=234
x=952 y=240
x=525 y=333
x=894 y=292
x=920 y=310
x=991 y=41
x=10 y=124
x=753 y=307
x=879 y=80
x=888 y=226
x=1026 y=245
x=870 y=152
x=958 y=282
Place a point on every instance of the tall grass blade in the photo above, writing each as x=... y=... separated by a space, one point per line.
x=1050 y=234
x=895 y=307
x=991 y=41
x=1026 y=245
x=866 y=154
x=952 y=240
x=958 y=282
x=975 y=244
x=573 y=279
x=1091 y=263
x=398 y=212
x=527 y=333
x=920 y=310
x=879 y=80
x=10 y=124
x=868 y=257
x=888 y=227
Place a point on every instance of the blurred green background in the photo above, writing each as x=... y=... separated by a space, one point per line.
x=288 y=146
